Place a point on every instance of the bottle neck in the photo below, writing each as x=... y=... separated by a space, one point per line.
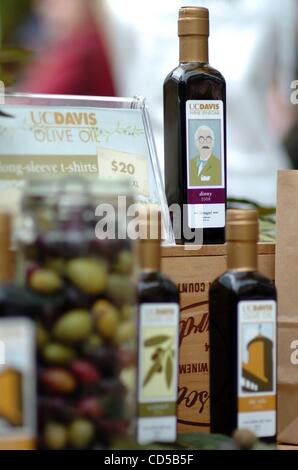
x=6 y=271
x=193 y=48
x=242 y=255
x=150 y=252
x=6 y=260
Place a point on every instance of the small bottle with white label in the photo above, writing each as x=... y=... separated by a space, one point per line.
x=158 y=354
x=243 y=337
x=195 y=134
x=17 y=357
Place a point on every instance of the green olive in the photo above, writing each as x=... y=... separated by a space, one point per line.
x=87 y=274
x=103 y=307
x=126 y=331
x=92 y=342
x=107 y=323
x=121 y=289
x=125 y=262
x=106 y=317
x=56 y=264
x=244 y=438
x=41 y=336
x=55 y=353
x=81 y=433
x=55 y=436
x=45 y=281
x=73 y=326
x=128 y=312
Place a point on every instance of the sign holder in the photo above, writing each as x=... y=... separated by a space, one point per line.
x=44 y=136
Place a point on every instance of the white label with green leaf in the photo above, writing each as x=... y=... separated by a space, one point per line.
x=158 y=372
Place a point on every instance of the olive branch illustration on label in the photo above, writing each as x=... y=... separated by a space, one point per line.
x=161 y=358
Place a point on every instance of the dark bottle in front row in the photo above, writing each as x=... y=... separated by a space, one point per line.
x=195 y=134
x=158 y=342
x=243 y=337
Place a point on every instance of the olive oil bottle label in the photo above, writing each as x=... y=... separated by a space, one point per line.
x=257 y=367
x=205 y=163
x=17 y=384
x=158 y=372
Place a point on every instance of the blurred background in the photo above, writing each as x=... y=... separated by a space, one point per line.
x=126 y=48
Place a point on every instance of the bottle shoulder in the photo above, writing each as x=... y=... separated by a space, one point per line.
x=157 y=284
x=184 y=71
x=244 y=284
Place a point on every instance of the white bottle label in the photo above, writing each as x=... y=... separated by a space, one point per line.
x=17 y=384
x=158 y=372
x=205 y=163
x=257 y=367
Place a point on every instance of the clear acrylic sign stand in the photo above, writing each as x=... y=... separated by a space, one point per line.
x=54 y=136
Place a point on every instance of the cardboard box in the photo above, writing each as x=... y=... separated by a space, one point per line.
x=194 y=271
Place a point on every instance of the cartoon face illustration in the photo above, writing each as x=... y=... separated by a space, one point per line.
x=204 y=139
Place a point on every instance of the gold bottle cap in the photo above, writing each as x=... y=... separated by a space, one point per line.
x=5 y=259
x=193 y=21
x=242 y=225
x=150 y=246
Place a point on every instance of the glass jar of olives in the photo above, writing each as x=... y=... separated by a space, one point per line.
x=80 y=292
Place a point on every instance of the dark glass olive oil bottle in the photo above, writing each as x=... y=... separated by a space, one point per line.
x=195 y=134
x=243 y=337
x=159 y=311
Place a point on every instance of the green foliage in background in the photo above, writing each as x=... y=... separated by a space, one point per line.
x=267 y=217
x=194 y=441
x=12 y=14
x=11 y=59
